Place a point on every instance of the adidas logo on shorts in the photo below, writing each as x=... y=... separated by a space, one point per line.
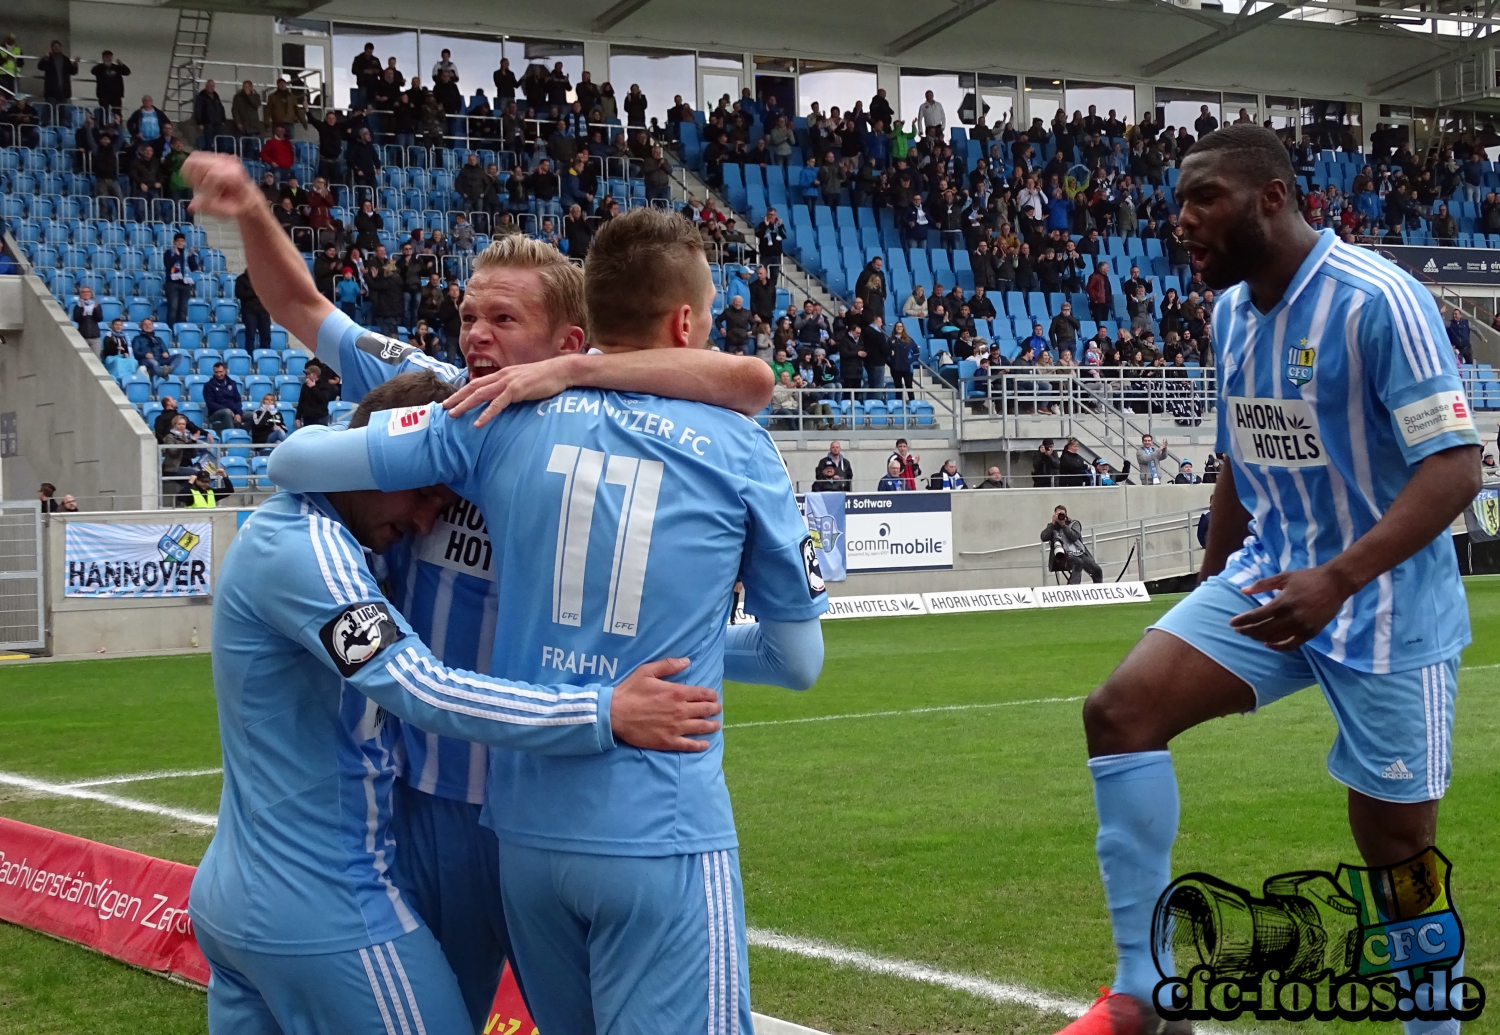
x=1397 y=771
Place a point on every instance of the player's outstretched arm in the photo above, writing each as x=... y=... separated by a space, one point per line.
x=322 y=459
x=1445 y=483
x=1228 y=524
x=222 y=188
x=740 y=383
x=788 y=654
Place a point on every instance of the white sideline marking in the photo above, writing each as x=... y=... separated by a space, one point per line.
x=984 y=988
x=65 y=791
x=162 y=774
x=903 y=711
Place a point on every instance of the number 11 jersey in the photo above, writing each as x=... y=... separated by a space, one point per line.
x=620 y=525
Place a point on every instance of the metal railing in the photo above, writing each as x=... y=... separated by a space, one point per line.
x=876 y=410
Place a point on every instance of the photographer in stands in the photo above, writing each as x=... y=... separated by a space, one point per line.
x=1067 y=550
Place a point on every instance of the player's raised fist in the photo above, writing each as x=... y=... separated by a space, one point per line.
x=221 y=186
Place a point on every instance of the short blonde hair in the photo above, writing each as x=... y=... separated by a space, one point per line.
x=641 y=265
x=561 y=281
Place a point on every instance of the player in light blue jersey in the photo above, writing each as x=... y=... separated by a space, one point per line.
x=293 y=904
x=523 y=303
x=1350 y=449
x=621 y=524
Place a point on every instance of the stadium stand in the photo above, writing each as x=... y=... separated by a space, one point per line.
x=1019 y=232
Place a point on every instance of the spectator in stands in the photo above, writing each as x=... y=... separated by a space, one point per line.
x=657 y=172
x=911 y=464
x=253 y=314
x=168 y=416
x=179 y=264
x=266 y=425
x=1459 y=335
x=843 y=471
x=147 y=125
x=1445 y=227
x=86 y=316
x=915 y=305
x=109 y=83
x=150 y=351
x=115 y=350
x=277 y=153
x=895 y=479
x=1148 y=458
x=902 y=359
x=827 y=479
x=106 y=160
x=1046 y=465
x=947 y=478
x=1072 y=468
x=734 y=322
x=221 y=400
x=208 y=115
x=200 y=491
x=45 y=493
x=384 y=288
x=930 y=118
x=1065 y=327
x=347 y=293
x=785 y=402
x=1185 y=475
x=635 y=106
x=992 y=480
x=1205 y=123
x=450 y=321
x=365 y=68
x=363 y=161
x=57 y=71
x=244 y=111
x=317 y=392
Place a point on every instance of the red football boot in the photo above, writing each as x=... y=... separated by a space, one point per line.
x=1118 y=1013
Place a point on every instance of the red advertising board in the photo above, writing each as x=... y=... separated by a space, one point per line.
x=134 y=907
x=129 y=906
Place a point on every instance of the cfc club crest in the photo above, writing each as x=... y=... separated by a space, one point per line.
x=177 y=545
x=1486 y=512
x=1299 y=363
x=357 y=634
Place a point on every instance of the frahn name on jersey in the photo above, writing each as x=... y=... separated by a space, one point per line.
x=639 y=422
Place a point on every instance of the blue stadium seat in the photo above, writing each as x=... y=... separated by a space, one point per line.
x=238 y=362
x=289 y=388
x=267 y=362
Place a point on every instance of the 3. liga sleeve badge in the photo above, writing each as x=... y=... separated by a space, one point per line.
x=810 y=565
x=357 y=634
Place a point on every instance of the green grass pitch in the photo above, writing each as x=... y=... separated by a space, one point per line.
x=958 y=839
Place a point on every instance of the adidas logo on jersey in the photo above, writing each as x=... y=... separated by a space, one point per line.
x=1397 y=771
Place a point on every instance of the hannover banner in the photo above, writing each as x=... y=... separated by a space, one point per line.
x=116 y=560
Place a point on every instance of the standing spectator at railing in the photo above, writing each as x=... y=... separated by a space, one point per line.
x=385 y=296
x=763 y=295
x=277 y=153
x=326 y=270
x=657 y=172
x=179 y=264
x=635 y=106
x=57 y=71
x=385 y=90
x=432 y=124
x=734 y=322
x=1445 y=227
x=558 y=86
x=471 y=183
x=444 y=63
x=253 y=314
x=332 y=133
x=901 y=359
x=877 y=351
x=450 y=321
x=365 y=69
x=910 y=463
x=147 y=125
x=431 y=301
x=109 y=83
x=150 y=351
x=505 y=84
x=347 y=293
x=1148 y=458
x=244 y=111
x=402 y=122
x=221 y=400
x=770 y=238
x=1065 y=327
x=449 y=97
x=208 y=115
x=562 y=145
x=284 y=109
x=587 y=93
x=542 y=187
x=146 y=174
x=930 y=118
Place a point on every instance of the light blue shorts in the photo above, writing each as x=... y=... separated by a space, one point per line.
x=446 y=870
x=618 y=945
x=399 y=987
x=1394 y=729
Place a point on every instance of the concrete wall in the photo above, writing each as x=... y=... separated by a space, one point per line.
x=74 y=426
x=84 y=627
